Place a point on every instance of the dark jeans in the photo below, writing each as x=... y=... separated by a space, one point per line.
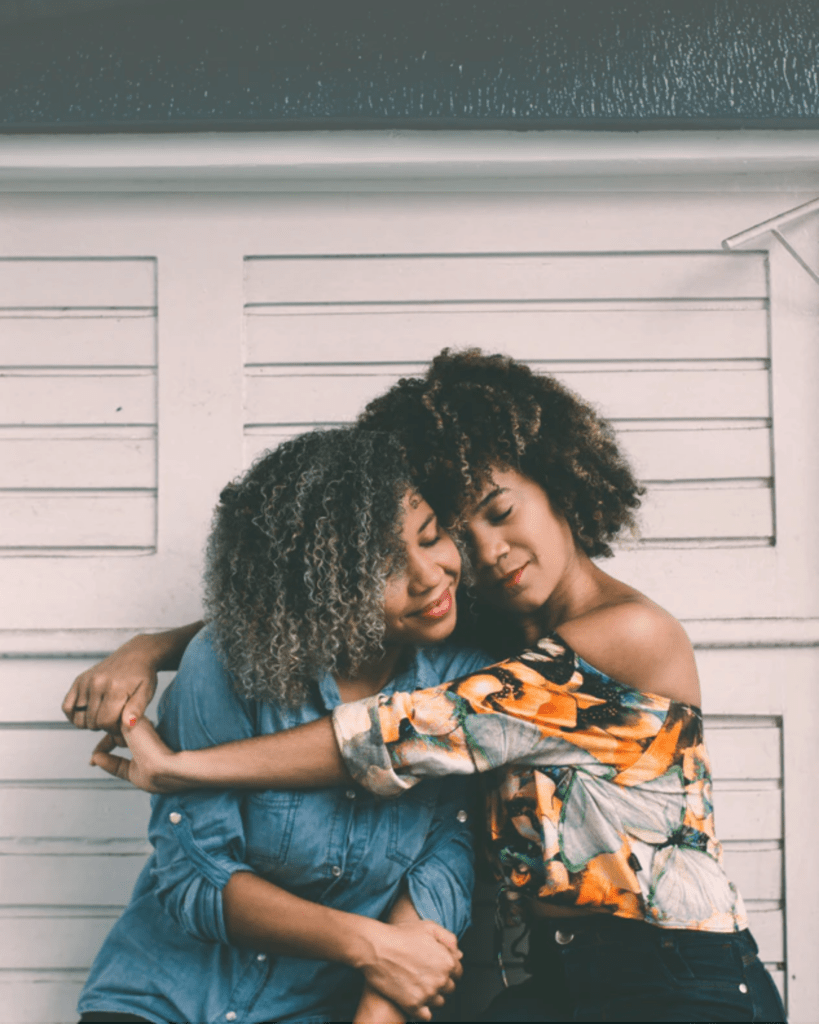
x=610 y=969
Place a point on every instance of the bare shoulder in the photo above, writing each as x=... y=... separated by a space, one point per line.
x=637 y=643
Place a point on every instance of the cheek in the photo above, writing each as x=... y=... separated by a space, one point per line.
x=451 y=560
x=395 y=601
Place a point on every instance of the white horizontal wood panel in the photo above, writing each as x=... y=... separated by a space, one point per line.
x=756 y=873
x=768 y=928
x=718 y=513
x=751 y=678
x=54 y=461
x=331 y=395
x=750 y=814
x=34 y=998
x=40 y=942
x=707 y=454
x=744 y=753
x=78 y=341
x=78 y=398
x=657 y=275
x=316 y=335
x=75 y=519
x=105 y=812
x=82 y=880
x=47 y=754
x=31 y=283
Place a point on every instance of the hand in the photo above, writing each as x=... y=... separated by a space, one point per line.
x=373 y=1008
x=121 y=684
x=153 y=766
x=414 y=965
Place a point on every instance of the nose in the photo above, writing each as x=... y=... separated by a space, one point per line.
x=488 y=546
x=425 y=573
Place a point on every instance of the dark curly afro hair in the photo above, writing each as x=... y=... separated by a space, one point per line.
x=298 y=558
x=474 y=411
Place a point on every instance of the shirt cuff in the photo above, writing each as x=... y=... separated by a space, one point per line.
x=358 y=733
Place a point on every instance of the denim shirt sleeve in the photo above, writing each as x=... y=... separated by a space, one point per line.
x=441 y=880
x=199 y=836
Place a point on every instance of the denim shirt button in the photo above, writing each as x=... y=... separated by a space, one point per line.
x=350 y=794
x=174 y=817
x=261 y=957
x=335 y=871
x=743 y=988
x=563 y=938
x=462 y=816
x=230 y=1015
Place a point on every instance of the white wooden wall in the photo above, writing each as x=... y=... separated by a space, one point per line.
x=152 y=342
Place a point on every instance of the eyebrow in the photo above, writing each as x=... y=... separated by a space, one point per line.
x=490 y=496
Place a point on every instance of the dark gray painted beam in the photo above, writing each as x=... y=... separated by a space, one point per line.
x=183 y=65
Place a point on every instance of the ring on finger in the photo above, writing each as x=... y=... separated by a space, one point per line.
x=80 y=707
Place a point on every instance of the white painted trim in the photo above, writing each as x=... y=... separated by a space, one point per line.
x=306 y=160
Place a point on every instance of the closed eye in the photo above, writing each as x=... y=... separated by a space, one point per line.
x=498 y=517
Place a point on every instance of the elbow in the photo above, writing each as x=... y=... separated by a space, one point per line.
x=195 y=906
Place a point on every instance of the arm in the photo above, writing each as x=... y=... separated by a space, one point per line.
x=306 y=757
x=205 y=882
x=373 y=1008
x=438 y=884
x=124 y=683
x=522 y=711
x=409 y=960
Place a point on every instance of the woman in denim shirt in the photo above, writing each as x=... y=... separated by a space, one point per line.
x=326 y=571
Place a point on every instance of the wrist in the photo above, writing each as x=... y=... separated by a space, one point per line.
x=360 y=941
x=148 y=648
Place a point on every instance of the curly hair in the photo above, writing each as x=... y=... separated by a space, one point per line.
x=472 y=412
x=298 y=558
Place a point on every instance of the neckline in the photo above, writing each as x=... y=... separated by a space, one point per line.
x=667 y=701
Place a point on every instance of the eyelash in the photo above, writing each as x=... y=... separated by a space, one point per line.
x=432 y=542
x=500 y=516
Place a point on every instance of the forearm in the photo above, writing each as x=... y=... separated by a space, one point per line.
x=163 y=651
x=410 y=963
x=263 y=916
x=373 y=1008
x=306 y=757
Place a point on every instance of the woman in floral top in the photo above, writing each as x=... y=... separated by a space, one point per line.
x=600 y=822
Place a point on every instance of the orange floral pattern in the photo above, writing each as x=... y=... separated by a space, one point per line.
x=599 y=795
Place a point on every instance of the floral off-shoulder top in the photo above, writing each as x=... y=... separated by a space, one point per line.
x=600 y=794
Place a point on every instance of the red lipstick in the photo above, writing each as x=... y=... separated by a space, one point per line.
x=438 y=608
x=512 y=579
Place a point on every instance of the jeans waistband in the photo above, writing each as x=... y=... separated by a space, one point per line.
x=600 y=929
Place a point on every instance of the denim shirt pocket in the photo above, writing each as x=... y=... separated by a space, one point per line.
x=410 y=817
x=269 y=821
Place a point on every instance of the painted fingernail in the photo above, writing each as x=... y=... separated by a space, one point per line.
x=132 y=721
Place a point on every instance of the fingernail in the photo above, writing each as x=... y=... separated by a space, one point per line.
x=132 y=721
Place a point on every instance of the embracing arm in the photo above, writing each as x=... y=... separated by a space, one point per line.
x=122 y=685
x=306 y=757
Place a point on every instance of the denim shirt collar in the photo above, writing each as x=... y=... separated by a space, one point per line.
x=418 y=673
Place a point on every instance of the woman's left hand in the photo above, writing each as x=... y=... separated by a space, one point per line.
x=153 y=766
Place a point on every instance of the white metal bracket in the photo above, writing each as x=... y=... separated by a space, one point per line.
x=770 y=226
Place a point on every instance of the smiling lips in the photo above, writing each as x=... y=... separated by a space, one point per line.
x=438 y=608
x=512 y=579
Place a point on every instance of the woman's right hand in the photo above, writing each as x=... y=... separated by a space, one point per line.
x=414 y=964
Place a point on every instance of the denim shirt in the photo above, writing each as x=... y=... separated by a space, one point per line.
x=169 y=959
